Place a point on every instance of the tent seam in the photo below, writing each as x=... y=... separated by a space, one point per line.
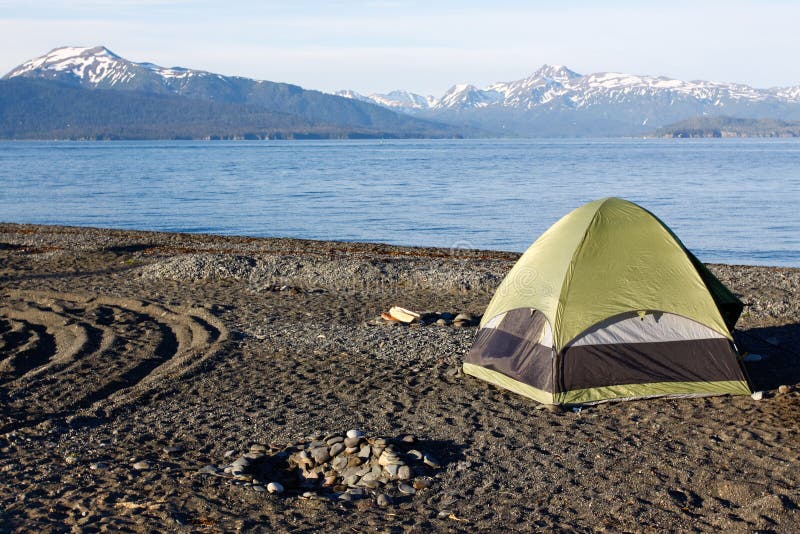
x=571 y=272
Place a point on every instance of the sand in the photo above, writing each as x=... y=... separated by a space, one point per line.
x=115 y=345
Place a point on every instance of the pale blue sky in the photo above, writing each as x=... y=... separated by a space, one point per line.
x=425 y=47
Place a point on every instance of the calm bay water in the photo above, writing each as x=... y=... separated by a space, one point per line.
x=730 y=201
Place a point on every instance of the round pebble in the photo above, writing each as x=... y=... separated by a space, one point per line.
x=173 y=449
x=352 y=442
x=383 y=500
x=336 y=449
x=259 y=488
x=355 y=433
x=784 y=389
x=275 y=487
x=98 y=466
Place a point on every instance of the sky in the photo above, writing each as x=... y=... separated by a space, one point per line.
x=422 y=46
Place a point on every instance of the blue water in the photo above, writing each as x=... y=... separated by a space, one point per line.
x=732 y=201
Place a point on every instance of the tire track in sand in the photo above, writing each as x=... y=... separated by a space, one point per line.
x=65 y=354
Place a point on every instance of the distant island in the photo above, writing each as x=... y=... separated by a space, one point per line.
x=92 y=93
x=729 y=127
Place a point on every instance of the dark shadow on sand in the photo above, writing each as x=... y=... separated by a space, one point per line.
x=779 y=347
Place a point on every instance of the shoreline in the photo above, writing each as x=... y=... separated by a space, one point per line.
x=159 y=238
x=130 y=361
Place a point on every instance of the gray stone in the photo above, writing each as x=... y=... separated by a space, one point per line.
x=352 y=442
x=242 y=462
x=339 y=463
x=405 y=489
x=316 y=444
x=99 y=466
x=404 y=472
x=334 y=439
x=392 y=469
x=259 y=488
x=442 y=322
x=351 y=450
x=336 y=449
x=229 y=453
x=173 y=449
x=143 y=465
x=466 y=317
x=389 y=457
x=370 y=476
x=364 y=470
x=365 y=452
x=345 y=497
x=460 y=324
x=351 y=480
x=354 y=433
x=408 y=438
x=371 y=484
x=383 y=500
x=320 y=455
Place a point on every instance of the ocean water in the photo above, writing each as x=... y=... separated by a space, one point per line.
x=729 y=200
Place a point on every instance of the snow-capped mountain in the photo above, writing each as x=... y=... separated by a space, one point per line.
x=403 y=101
x=553 y=101
x=99 y=68
x=614 y=103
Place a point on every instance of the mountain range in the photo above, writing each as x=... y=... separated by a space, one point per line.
x=555 y=100
x=93 y=93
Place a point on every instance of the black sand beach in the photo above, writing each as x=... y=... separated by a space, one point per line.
x=131 y=361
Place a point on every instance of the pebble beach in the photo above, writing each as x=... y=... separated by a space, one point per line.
x=159 y=382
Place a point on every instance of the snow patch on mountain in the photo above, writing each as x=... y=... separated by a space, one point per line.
x=558 y=87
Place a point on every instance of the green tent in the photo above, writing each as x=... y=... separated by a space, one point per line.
x=608 y=304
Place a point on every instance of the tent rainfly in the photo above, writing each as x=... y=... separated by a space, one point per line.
x=608 y=304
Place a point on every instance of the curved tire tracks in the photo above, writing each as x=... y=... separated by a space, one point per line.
x=65 y=354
